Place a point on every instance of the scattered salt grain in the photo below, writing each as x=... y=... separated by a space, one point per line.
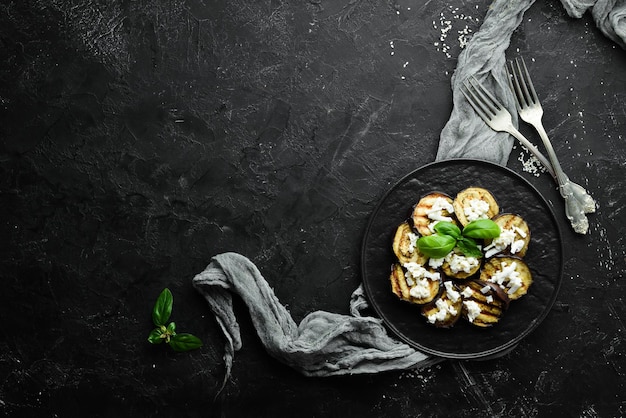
x=445 y=26
x=530 y=164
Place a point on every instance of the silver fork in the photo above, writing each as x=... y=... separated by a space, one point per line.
x=530 y=111
x=499 y=119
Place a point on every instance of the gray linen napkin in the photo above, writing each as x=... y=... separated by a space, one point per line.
x=324 y=343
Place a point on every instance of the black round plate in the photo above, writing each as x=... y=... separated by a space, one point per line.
x=544 y=257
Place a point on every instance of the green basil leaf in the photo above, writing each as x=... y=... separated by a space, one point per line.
x=436 y=246
x=469 y=248
x=482 y=229
x=155 y=336
x=185 y=342
x=448 y=228
x=163 y=308
x=171 y=328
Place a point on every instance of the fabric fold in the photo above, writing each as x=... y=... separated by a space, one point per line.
x=609 y=16
x=323 y=344
x=465 y=134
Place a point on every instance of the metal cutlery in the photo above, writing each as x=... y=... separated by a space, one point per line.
x=577 y=201
x=529 y=108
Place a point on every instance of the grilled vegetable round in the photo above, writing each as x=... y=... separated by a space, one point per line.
x=475 y=203
x=433 y=207
x=510 y=273
x=418 y=291
x=405 y=245
x=458 y=266
x=514 y=236
x=489 y=303
x=445 y=310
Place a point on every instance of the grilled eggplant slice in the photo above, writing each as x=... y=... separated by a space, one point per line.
x=405 y=245
x=433 y=207
x=514 y=236
x=510 y=273
x=458 y=266
x=484 y=303
x=445 y=310
x=475 y=203
x=414 y=290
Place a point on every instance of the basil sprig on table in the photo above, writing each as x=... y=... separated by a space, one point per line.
x=447 y=236
x=167 y=332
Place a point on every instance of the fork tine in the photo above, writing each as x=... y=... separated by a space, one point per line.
x=526 y=91
x=486 y=97
x=486 y=107
x=514 y=82
x=529 y=82
x=476 y=104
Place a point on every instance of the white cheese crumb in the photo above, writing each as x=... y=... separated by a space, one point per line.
x=508 y=277
x=459 y=262
x=489 y=299
x=506 y=239
x=442 y=311
x=517 y=246
x=519 y=231
x=435 y=262
x=476 y=209
x=515 y=282
x=412 y=241
x=421 y=289
x=473 y=309
x=452 y=294
x=439 y=206
x=467 y=292
x=417 y=271
x=485 y=290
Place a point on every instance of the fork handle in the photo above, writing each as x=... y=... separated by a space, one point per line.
x=542 y=159
x=559 y=174
x=577 y=200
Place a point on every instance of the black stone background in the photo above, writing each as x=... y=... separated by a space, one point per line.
x=140 y=138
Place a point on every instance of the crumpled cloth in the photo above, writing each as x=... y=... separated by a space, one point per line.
x=324 y=343
x=465 y=134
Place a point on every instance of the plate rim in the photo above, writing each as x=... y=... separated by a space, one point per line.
x=504 y=348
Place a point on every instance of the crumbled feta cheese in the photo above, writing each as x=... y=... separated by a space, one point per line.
x=506 y=239
x=458 y=262
x=508 y=277
x=418 y=279
x=517 y=246
x=435 y=262
x=467 y=292
x=473 y=309
x=485 y=290
x=417 y=271
x=515 y=282
x=421 y=289
x=520 y=232
x=436 y=212
x=476 y=209
x=412 y=241
x=442 y=311
x=489 y=299
x=451 y=292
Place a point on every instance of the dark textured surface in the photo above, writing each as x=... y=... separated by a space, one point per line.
x=138 y=139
